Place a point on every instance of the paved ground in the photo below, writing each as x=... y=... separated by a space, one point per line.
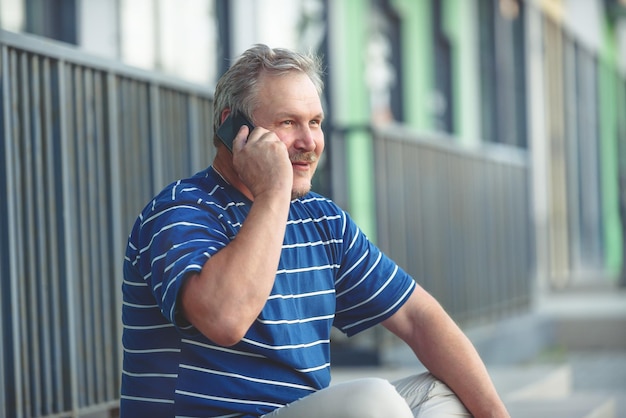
x=594 y=319
x=601 y=372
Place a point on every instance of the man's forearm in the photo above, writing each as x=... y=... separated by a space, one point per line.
x=447 y=353
x=232 y=288
x=453 y=359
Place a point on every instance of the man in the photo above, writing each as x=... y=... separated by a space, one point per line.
x=233 y=279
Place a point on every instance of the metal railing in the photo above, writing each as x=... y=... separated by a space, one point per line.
x=85 y=143
x=458 y=220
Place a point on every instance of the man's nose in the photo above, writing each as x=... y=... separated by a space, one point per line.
x=305 y=139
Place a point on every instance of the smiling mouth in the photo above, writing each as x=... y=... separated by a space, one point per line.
x=300 y=165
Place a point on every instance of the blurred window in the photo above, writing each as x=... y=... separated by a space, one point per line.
x=176 y=37
x=54 y=19
x=502 y=69
x=582 y=153
x=442 y=102
x=384 y=64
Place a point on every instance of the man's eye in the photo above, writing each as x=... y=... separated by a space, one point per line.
x=288 y=122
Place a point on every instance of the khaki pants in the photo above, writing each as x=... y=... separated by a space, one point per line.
x=420 y=395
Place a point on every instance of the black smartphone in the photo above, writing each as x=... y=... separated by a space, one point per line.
x=229 y=128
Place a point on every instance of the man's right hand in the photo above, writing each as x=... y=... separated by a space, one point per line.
x=262 y=162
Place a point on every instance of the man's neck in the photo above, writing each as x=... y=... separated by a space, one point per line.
x=223 y=165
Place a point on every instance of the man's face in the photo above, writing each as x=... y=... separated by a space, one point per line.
x=289 y=106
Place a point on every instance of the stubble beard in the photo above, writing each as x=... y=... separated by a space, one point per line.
x=301 y=192
x=309 y=157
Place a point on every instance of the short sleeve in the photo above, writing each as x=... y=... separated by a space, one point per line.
x=176 y=241
x=370 y=286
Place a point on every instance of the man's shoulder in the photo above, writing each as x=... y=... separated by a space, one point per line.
x=201 y=193
x=205 y=186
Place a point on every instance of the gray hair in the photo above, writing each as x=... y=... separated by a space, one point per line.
x=237 y=88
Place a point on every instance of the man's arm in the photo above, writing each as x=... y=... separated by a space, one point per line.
x=447 y=353
x=226 y=297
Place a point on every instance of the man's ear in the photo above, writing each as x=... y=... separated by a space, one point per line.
x=224 y=115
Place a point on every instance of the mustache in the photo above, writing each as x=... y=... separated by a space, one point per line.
x=304 y=157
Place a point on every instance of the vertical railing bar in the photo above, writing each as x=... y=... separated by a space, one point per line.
x=415 y=228
x=382 y=199
x=496 y=202
x=69 y=230
x=141 y=156
x=4 y=240
x=499 y=273
x=183 y=110
x=451 y=264
x=522 y=242
x=193 y=123
x=42 y=240
x=173 y=151
x=518 y=237
x=46 y=242
x=80 y=141
x=127 y=148
x=103 y=228
x=30 y=317
x=459 y=266
x=398 y=244
x=419 y=200
x=52 y=229
x=133 y=134
x=142 y=129
x=102 y=211
x=117 y=226
x=204 y=139
x=106 y=287
x=170 y=111
x=440 y=207
x=486 y=250
x=475 y=244
x=131 y=148
x=9 y=87
x=462 y=181
x=157 y=139
x=89 y=178
x=510 y=262
x=447 y=247
x=465 y=243
x=162 y=113
x=503 y=226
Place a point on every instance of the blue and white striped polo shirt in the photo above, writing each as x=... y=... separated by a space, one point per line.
x=329 y=274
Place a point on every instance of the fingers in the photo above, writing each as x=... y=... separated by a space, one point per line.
x=262 y=161
x=241 y=138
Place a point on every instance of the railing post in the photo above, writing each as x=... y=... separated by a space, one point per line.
x=156 y=138
x=118 y=237
x=68 y=187
x=11 y=250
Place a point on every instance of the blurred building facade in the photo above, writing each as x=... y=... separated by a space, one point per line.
x=546 y=76
x=479 y=142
